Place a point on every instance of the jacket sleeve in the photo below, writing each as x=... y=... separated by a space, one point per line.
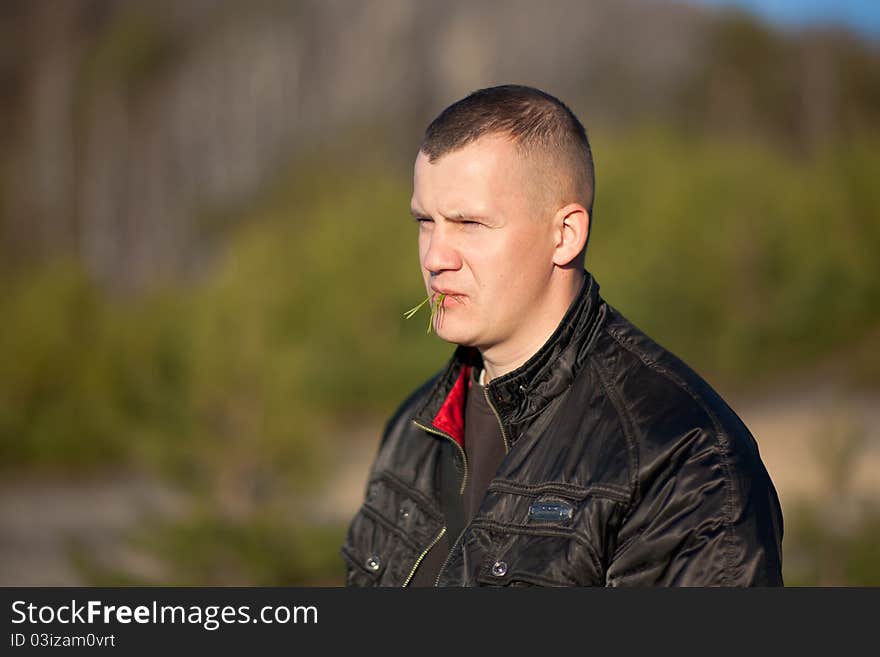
x=704 y=514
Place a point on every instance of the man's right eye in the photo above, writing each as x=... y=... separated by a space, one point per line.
x=424 y=220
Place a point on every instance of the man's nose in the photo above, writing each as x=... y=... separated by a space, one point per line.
x=441 y=253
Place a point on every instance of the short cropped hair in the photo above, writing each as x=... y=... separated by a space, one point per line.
x=537 y=122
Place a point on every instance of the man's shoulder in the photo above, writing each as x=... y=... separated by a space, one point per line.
x=649 y=377
x=689 y=450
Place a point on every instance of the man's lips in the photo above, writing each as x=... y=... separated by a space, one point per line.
x=450 y=295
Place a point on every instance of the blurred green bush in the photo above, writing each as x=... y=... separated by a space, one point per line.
x=743 y=260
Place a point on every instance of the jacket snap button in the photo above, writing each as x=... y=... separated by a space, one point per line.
x=499 y=568
x=374 y=563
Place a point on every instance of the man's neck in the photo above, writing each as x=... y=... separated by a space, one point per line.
x=502 y=359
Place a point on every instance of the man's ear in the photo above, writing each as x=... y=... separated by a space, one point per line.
x=572 y=226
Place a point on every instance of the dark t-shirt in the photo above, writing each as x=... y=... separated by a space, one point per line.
x=483 y=446
x=484 y=449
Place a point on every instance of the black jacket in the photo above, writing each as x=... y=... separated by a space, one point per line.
x=624 y=468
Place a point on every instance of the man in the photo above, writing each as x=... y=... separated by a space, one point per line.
x=560 y=446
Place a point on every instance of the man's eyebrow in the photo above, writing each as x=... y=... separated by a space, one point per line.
x=453 y=216
x=465 y=216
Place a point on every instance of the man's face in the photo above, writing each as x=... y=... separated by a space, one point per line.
x=485 y=240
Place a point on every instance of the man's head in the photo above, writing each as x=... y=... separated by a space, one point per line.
x=545 y=131
x=503 y=190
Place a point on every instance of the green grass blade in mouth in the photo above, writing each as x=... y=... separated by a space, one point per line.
x=412 y=311
x=436 y=308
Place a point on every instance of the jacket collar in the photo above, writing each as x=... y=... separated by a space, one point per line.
x=520 y=395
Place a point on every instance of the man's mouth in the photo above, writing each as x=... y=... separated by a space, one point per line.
x=450 y=298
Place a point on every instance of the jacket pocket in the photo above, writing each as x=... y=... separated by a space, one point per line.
x=530 y=556
x=547 y=534
x=388 y=534
x=358 y=572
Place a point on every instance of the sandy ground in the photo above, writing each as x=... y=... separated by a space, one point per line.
x=819 y=443
x=43 y=521
x=801 y=436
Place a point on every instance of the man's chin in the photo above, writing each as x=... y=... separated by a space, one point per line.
x=455 y=335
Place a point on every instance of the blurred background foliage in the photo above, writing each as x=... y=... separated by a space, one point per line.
x=206 y=252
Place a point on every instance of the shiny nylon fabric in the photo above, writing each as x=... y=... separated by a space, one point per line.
x=664 y=482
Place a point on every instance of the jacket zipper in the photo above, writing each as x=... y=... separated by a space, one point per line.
x=506 y=450
x=422 y=556
x=446 y=560
x=443 y=434
x=463 y=484
x=497 y=417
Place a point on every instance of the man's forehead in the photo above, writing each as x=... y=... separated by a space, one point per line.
x=484 y=161
x=492 y=143
x=473 y=180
